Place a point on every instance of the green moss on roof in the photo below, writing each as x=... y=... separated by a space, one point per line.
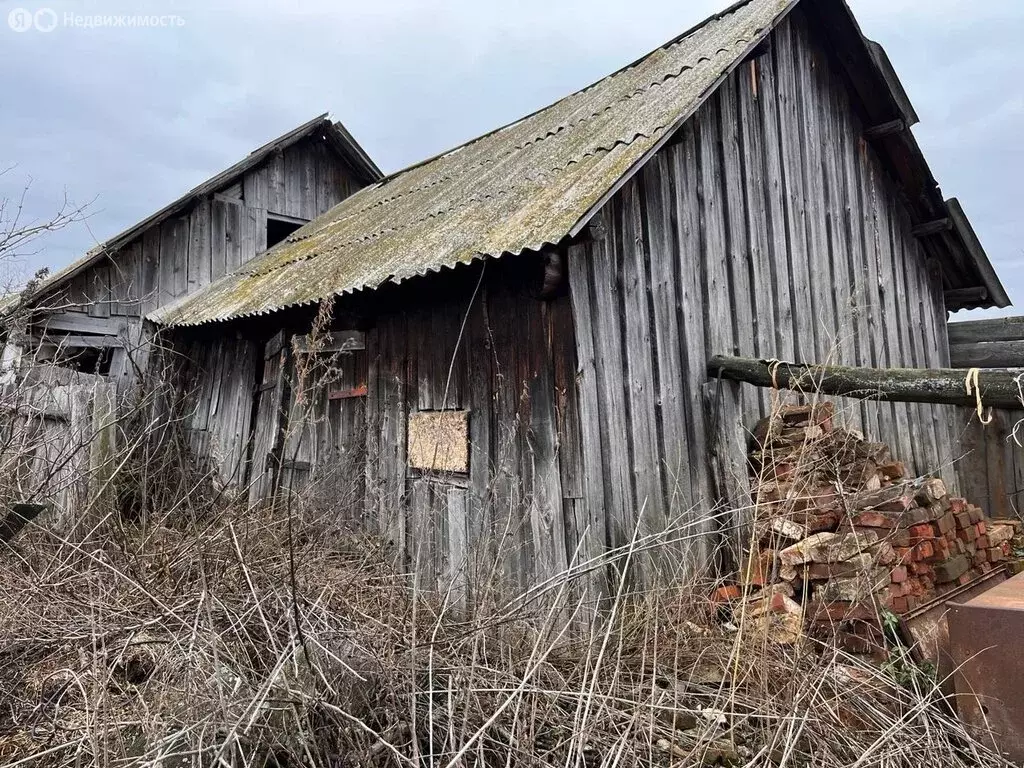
x=519 y=188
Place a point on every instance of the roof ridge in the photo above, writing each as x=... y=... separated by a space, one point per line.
x=469 y=142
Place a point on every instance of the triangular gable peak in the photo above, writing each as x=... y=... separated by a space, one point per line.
x=218 y=225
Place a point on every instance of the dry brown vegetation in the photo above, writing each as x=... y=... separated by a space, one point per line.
x=211 y=634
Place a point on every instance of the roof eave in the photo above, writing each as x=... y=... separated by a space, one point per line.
x=997 y=296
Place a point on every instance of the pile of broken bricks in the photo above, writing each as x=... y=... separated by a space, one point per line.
x=840 y=534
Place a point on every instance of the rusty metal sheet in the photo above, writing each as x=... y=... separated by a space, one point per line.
x=516 y=189
x=928 y=632
x=985 y=645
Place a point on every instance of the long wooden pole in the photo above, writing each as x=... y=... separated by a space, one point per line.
x=999 y=388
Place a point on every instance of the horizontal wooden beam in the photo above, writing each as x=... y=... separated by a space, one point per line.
x=337 y=341
x=72 y=341
x=980 y=331
x=965 y=297
x=899 y=385
x=77 y=322
x=885 y=129
x=932 y=228
x=992 y=354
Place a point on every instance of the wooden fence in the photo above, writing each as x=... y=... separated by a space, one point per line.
x=991 y=471
x=57 y=442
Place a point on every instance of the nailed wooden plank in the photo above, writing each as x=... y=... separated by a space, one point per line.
x=458 y=555
x=276 y=183
x=758 y=220
x=668 y=342
x=199 y=247
x=234 y=234
x=218 y=238
x=607 y=315
x=99 y=291
x=932 y=227
x=887 y=128
x=738 y=256
x=335 y=341
x=823 y=311
x=269 y=426
x=78 y=323
x=150 y=270
x=996 y=354
x=777 y=275
x=255 y=187
x=588 y=388
x=978 y=331
x=685 y=172
x=717 y=298
x=85 y=342
x=852 y=232
x=546 y=516
x=641 y=373
x=784 y=56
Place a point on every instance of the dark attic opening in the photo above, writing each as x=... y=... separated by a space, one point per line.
x=279 y=227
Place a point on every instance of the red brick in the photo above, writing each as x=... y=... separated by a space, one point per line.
x=966 y=578
x=900 y=590
x=904 y=554
x=963 y=520
x=981 y=556
x=919 y=533
x=835 y=612
x=871 y=519
x=981 y=542
x=900 y=605
x=899 y=574
x=912 y=602
x=946 y=523
x=976 y=514
x=986 y=567
x=958 y=505
x=894 y=470
x=968 y=534
x=995 y=554
x=924 y=551
x=981 y=528
x=726 y=594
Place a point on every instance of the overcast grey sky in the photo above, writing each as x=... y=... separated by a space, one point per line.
x=131 y=118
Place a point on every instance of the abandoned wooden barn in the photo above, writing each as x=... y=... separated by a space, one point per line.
x=519 y=328
x=89 y=316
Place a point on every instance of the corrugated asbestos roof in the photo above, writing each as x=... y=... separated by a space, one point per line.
x=522 y=187
x=335 y=133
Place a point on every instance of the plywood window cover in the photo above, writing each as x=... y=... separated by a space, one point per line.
x=439 y=441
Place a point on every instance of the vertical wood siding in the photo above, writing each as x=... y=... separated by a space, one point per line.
x=767 y=229
x=220 y=233
x=508 y=359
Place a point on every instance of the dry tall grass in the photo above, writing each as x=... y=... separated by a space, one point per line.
x=237 y=639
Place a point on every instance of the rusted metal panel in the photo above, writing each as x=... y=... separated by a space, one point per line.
x=984 y=636
x=928 y=632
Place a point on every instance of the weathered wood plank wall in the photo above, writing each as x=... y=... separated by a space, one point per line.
x=482 y=344
x=992 y=467
x=219 y=234
x=768 y=229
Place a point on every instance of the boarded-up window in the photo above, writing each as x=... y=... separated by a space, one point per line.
x=439 y=441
